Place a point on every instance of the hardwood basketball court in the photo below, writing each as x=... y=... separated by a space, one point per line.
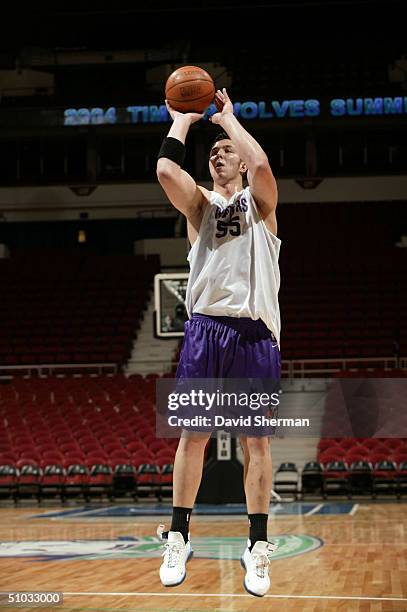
x=333 y=556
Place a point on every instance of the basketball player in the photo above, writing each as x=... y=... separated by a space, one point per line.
x=234 y=320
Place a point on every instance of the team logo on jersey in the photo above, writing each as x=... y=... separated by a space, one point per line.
x=148 y=547
x=240 y=205
x=228 y=219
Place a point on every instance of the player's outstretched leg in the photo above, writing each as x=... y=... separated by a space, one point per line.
x=257 y=481
x=187 y=476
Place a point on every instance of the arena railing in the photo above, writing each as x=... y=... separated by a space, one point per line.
x=48 y=369
x=301 y=367
x=294 y=368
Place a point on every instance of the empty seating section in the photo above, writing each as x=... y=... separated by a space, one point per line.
x=363 y=465
x=343 y=292
x=349 y=467
x=82 y=435
x=344 y=282
x=71 y=308
x=86 y=436
x=372 y=450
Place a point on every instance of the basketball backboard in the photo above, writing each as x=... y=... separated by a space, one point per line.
x=170 y=311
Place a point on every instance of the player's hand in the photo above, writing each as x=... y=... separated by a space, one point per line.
x=223 y=104
x=191 y=117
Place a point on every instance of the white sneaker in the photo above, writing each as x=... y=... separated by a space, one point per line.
x=176 y=555
x=256 y=563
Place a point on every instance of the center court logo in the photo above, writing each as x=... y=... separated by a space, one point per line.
x=124 y=548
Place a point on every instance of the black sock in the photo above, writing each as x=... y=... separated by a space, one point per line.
x=258 y=528
x=180 y=521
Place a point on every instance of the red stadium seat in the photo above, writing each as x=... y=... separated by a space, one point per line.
x=331 y=455
x=166 y=478
x=139 y=458
x=393 y=444
x=158 y=445
x=149 y=479
x=77 y=480
x=119 y=456
x=165 y=452
x=101 y=480
x=91 y=447
x=73 y=459
x=96 y=458
x=29 y=481
x=136 y=445
x=399 y=457
x=8 y=458
x=69 y=447
x=52 y=481
x=377 y=456
x=356 y=455
x=348 y=443
x=31 y=459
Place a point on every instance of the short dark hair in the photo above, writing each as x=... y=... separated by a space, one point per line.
x=223 y=136
x=220 y=136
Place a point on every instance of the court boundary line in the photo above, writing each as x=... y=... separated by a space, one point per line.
x=82 y=513
x=316 y=508
x=143 y=594
x=71 y=514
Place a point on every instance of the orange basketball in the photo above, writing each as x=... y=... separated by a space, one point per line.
x=190 y=89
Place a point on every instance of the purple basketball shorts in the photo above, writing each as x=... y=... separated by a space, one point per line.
x=236 y=355
x=228 y=347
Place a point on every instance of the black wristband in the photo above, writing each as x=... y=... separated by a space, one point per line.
x=173 y=149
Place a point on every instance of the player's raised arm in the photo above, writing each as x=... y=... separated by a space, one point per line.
x=260 y=176
x=180 y=187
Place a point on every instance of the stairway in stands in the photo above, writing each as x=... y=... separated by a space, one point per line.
x=302 y=398
x=294 y=450
x=150 y=354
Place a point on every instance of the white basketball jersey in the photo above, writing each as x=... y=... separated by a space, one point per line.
x=234 y=263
